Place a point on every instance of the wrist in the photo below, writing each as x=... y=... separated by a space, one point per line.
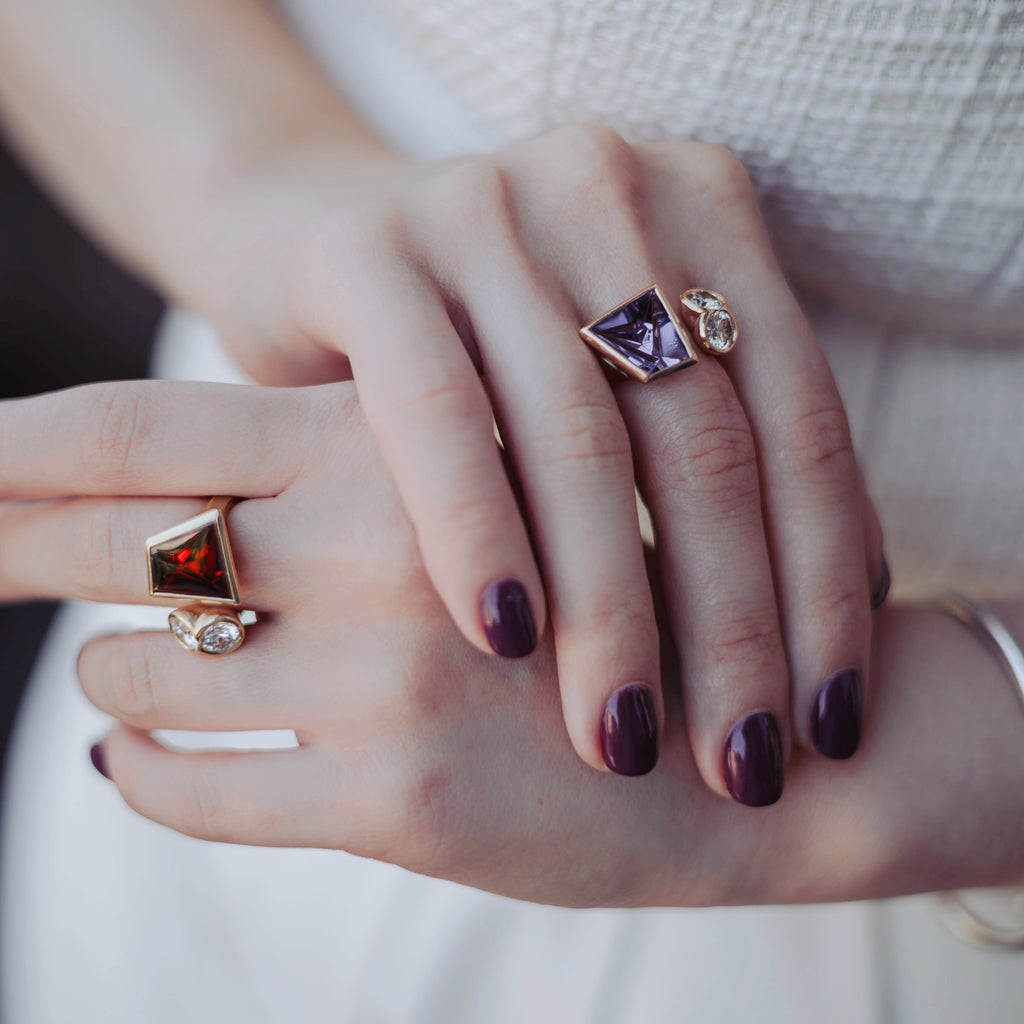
x=228 y=254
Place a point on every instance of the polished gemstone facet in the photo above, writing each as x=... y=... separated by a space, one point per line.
x=220 y=638
x=190 y=566
x=701 y=298
x=193 y=560
x=644 y=338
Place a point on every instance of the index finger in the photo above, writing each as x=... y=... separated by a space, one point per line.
x=165 y=438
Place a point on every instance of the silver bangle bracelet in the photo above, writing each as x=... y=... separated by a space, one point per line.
x=965 y=922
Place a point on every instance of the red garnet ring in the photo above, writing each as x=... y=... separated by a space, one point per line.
x=193 y=561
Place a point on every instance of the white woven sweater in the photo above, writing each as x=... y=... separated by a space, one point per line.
x=885 y=138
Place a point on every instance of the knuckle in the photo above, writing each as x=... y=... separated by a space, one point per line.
x=589 y=431
x=478 y=519
x=597 y=168
x=454 y=402
x=750 y=641
x=116 y=430
x=817 y=442
x=93 y=566
x=842 y=607
x=716 y=460
x=202 y=807
x=719 y=173
x=132 y=691
x=619 y=615
x=368 y=232
x=727 y=194
x=480 y=191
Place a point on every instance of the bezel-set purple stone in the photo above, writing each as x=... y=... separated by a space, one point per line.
x=642 y=337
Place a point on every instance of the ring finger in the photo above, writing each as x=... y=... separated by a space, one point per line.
x=94 y=549
x=149 y=681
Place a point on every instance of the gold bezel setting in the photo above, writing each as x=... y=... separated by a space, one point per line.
x=716 y=325
x=619 y=357
x=178 y=537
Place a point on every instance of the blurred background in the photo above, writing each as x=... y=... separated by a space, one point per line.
x=67 y=316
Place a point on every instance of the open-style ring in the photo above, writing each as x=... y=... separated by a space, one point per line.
x=714 y=323
x=193 y=560
x=642 y=337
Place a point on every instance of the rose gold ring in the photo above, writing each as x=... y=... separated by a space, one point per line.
x=712 y=320
x=641 y=337
x=193 y=560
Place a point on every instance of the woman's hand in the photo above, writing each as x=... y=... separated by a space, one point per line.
x=230 y=171
x=416 y=748
x=455 y=292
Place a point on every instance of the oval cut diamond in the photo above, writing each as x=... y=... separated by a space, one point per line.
x=720 y=330
x=220 y=637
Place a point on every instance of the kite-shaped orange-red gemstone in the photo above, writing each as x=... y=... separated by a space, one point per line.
x=193 y=560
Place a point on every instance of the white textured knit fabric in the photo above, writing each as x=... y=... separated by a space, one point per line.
x=885 y=138
x=886 y=142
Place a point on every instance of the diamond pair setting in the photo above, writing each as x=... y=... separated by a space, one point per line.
x=644 y=339
x=203 y=631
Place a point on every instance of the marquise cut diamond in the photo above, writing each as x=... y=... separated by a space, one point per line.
x=701 y=298
x=184 y=635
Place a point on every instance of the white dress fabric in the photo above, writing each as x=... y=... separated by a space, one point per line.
x=886 y=142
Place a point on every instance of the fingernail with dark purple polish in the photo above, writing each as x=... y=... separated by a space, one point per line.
x=882 y=590
x=836 y=715
x=99 y=761
x=753 y=760
x=629 y=731
x=508 y=621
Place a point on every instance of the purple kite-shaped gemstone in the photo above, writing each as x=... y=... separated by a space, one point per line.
x=643 y=334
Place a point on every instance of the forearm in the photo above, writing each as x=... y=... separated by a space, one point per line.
x=138 y=113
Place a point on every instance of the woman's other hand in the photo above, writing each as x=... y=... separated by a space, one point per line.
x=456 y=291
x=413 y=746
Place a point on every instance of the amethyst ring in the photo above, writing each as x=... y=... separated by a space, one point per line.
x=643 y=338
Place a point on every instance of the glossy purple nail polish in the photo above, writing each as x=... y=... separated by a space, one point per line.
x=836 y=715
x=882 y=590
x=99 y=761
x=507 y=619
x=753 y=760
x=629 y=731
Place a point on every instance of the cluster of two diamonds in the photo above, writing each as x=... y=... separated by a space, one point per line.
x=644 y=339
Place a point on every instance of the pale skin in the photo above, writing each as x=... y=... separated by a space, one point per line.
x=200 y=141
x=415 y=747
